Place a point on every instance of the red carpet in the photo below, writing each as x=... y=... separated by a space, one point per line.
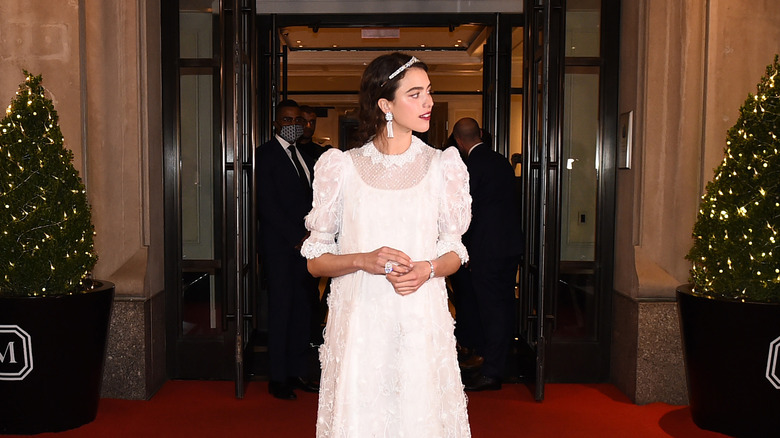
x=209 y=409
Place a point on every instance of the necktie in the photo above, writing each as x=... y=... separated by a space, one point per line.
x=301 y=173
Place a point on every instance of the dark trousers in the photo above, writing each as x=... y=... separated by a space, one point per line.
x=319 y=313
x=483 y=296
x=291 y=290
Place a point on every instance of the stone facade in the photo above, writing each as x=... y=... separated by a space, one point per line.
x=135 y=356
x=647 y=358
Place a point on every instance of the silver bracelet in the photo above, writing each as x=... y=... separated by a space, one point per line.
x=433 y=274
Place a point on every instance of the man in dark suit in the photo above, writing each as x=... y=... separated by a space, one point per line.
x=484 y=288
x=306 y=142
x=284 y=198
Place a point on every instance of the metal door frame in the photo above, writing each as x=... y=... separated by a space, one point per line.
x=244 y=140
x=543 y=65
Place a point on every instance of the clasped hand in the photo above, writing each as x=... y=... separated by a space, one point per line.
x=406 y=275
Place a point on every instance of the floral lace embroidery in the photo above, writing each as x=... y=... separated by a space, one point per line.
x=393 y=172
x=370 y=150
x=312 y=249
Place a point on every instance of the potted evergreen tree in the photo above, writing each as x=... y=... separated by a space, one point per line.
x=730 y=313
x=53 y=318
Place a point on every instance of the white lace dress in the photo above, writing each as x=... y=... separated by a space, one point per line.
x=389 y=364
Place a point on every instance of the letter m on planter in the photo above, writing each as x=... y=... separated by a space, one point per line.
x=16 y=360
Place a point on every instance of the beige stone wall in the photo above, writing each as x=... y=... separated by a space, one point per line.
x=123 y=134
x=100 y=63
x=743 y=40
x=686 y=66
x=42 y=36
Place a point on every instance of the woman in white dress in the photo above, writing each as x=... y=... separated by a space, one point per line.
x=386 y=226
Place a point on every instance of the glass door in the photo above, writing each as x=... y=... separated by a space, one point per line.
x=496 y=99
x=209 y=144
x=570 y=106
x=196 y=299
x=582 y=296
x=541 y=176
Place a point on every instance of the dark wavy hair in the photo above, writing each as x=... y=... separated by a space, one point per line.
x=375 y=85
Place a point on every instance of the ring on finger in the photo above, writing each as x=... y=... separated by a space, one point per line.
x=388 y=267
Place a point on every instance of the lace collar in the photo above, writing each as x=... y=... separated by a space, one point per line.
x=370 y=150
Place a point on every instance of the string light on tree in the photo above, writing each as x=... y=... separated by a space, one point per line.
x=46 y=247
x=735 y=244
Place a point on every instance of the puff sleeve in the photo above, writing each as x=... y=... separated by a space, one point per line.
x=324 y=219
x=455 y=207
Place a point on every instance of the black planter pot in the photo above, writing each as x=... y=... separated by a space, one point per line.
x=52 y=351
x=731 y=354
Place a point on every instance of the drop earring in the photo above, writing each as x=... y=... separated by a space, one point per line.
x=389 y=118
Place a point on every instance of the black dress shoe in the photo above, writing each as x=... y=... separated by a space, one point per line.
x=481 y=382
x=303 y=384
x=281 y=390
x=463 y=352
x=472 y=363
